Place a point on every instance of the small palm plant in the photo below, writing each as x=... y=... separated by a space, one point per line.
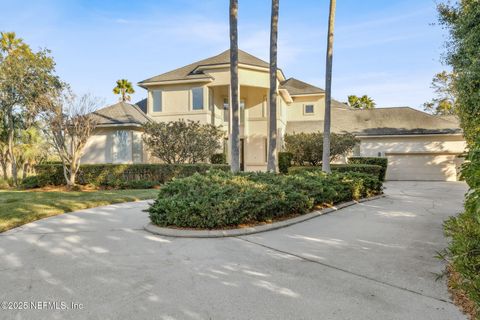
x=124 y=88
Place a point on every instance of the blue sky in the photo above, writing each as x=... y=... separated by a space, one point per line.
x=389 y=50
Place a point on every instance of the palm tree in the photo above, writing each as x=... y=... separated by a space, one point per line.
x=328 y=90
x=363 y=102
x=234 y=88
x=124 y=88
x=272 y=128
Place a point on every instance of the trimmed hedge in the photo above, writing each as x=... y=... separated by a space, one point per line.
x=122 y=175
x=221 y=199
x=382 y=162
x=284 y=161
x=218 y=158
x=359 y=168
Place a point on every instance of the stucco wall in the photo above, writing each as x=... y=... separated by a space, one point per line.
x=295 y=111
x=440 y=144
x=99 y=146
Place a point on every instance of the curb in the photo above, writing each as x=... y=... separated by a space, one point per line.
x=182 y=233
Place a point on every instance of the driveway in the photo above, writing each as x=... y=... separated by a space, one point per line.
x=374 y=260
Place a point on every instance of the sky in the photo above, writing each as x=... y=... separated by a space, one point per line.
x=389 y=50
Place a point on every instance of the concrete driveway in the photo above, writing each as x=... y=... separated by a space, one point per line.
x=370 y=261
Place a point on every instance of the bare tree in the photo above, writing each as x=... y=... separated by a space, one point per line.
x=234 y=88
x=328 y=90
x=70 y=126
x=272 y=127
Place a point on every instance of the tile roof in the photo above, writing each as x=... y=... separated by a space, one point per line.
x=297 y=87
x=189 y=72
x=380 y=121
x=121 y=113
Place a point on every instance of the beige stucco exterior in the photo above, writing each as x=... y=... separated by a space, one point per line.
x=424 y=156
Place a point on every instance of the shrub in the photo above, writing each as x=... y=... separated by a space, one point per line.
x=113 y=174
x=307 y=148
x=182 y=141
x=464 y=230
x=379 y=161
x=221 y=199
x=360 y=168
x=218 y=158
x=284 y=161
x=31 y=182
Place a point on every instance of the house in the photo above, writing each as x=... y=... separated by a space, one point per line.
x=419 y=146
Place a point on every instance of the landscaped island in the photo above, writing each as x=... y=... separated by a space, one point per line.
x=219 y=199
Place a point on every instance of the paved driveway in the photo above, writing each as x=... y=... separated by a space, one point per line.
x=370 y=261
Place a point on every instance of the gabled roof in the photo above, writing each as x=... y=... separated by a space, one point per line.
x=121 y=113
x=380 y=121
x=190 y=72
x=296 y=87
x=142 y=104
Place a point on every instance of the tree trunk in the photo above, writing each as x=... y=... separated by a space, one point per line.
x=13 y=160
x=4 y=169
x=272 y=120
x=25 y=170
x=234 y=88
x=328 y=90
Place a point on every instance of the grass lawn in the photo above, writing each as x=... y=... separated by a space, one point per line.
x=20 y=207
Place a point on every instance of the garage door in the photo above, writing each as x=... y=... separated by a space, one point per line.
x=439 y=167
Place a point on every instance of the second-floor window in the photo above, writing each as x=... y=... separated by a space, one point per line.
x=157 y=100
x=309 y=109
x=197 y=98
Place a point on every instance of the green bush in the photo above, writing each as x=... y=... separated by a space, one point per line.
x=359 y=168
x=221 y=199
x=379 y=161
x=115 y=174
x=284 y=161
x=31 y=182
x=464 y=231
x=218 y=158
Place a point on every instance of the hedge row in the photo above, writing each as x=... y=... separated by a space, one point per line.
x=123 y=175
x=379 y=161
x=359 y=168
x=221 y=199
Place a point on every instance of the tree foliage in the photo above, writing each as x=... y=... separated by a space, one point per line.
x=444 y=101
x=363 y=102
x=462 y=20
x=27 y=83
x=307 y=148
x=124 y=88
x=182 y=141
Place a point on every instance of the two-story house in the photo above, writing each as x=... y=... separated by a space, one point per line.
x=418 y=145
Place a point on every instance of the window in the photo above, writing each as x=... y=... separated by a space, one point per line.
x=226 y=107
x=309 y=109
x=137 y=149
x=197 y=98
x=157 y=100
x=121 y=146
x=242 y=111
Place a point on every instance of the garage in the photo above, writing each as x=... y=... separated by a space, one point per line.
x=426 y=167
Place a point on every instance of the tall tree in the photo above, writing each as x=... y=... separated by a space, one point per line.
x=272 y=127
x=70 y=126
x=124 y=88
x=445 y=97
x=363 y=102
x=328 y=89
x=27 y=82
x=234 y=89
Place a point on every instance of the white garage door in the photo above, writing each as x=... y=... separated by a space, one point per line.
x=439 y=167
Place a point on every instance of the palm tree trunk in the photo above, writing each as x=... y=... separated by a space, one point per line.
x=272 y=127
x=328 y=90
x=234 y=88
